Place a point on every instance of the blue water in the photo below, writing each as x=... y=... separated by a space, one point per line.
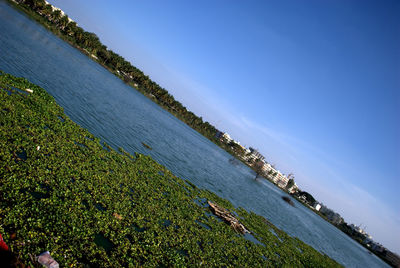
x=121 y=116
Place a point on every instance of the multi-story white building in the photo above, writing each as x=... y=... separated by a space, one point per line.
x=267 y=168
x=256 y=154
x=281 y=180
x=226 y=137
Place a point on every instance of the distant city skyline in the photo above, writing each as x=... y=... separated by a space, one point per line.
x=313 y=86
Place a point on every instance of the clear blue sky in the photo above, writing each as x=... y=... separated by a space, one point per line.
x=314 y=85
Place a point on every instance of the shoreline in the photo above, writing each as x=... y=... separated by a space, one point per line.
x=76 y=197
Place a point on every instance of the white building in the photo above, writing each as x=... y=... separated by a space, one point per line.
x=279 y=179
x=266 y=167
x=227 y=137
x=317 y=206
x=56 y=8
x=293 y=189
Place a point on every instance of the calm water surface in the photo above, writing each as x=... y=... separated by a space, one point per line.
x=122 y=117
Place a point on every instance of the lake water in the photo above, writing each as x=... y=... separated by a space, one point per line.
x=123 y=117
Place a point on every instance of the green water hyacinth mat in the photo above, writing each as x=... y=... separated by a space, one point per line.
x=63 y=191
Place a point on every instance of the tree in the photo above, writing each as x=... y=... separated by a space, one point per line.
x=104 y=55
x=258 y=168
x=290 y=183
x=78 y=33
x=56 y=15
x=47 y=11
x=35 y=4
x=71 y=28
x=309 y=198
x=63 y=22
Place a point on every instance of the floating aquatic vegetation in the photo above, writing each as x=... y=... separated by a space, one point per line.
x=202 y=202
x=21 y=155
x=39 y=195
x=203 y=225
x=81 y=145
x=251 y=238
x=272 y=231
x=103 y=242
x=106 y=147
x=209 y=214
x=100 y=207
x=166 y=222
x=138 y=229
x=94 y=206
x=62 y=120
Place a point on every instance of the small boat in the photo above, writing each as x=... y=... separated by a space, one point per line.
x=288 y=200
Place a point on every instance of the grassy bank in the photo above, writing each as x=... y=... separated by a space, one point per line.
x=64 y=191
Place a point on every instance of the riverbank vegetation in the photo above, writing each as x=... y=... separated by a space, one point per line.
x=64 y=191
